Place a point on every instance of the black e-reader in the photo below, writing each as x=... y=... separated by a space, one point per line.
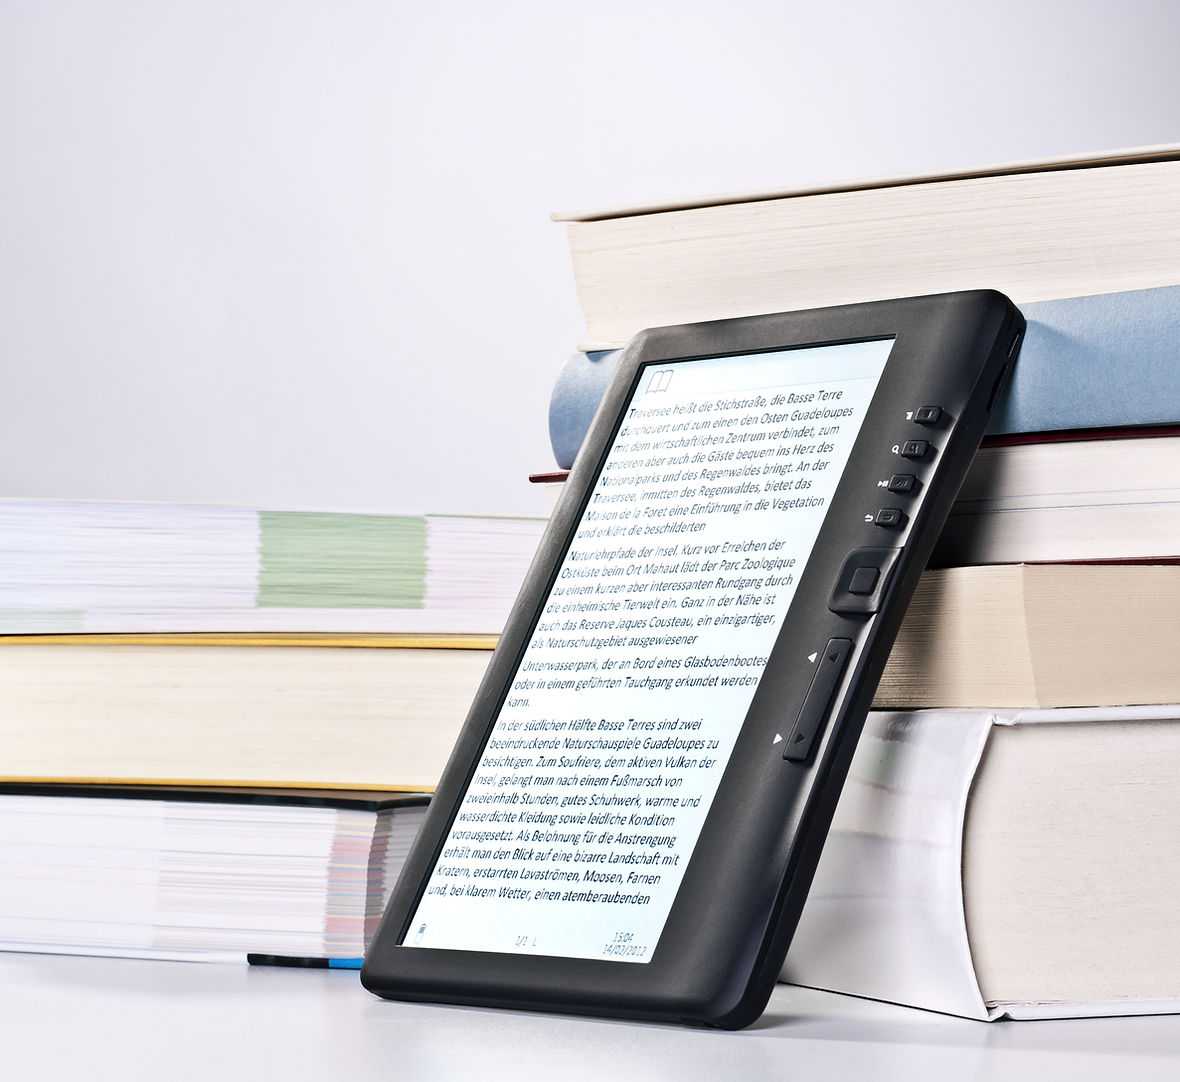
x=633 y=812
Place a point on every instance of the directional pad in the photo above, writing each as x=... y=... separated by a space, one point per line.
x=862 y=581
x=829 y=667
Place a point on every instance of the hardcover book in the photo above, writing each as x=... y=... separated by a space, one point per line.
x=997 y=864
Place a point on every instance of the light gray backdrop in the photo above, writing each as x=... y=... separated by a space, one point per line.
x=297 y=252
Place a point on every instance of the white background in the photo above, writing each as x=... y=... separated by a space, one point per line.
x=296 y=252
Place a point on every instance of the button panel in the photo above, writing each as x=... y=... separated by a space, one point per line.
x=860 y=589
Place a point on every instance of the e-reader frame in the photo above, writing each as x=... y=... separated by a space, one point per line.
x=743 y=888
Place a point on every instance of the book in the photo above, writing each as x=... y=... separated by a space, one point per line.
x=93 y=566
x=1108 y=495
x=1111 y=494
x=1105 y=360
x=1003 y=864
x=1036 y=231
x=1037 y=635
x=199 y=874
x=356 y=713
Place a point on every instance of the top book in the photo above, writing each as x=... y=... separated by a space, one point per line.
x=1035 y=230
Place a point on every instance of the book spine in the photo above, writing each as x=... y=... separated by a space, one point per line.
x=1075 y=371
x=579 y=388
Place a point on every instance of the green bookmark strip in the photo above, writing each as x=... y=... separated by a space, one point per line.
x=42 y=621
x=317 y=560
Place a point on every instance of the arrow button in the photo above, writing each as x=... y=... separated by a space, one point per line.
x=814 y=713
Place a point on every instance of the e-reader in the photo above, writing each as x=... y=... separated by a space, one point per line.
x=632 y=815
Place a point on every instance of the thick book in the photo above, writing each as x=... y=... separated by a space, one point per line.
x=1103 y=495
x=95 y=566
x=1037 y=635
x=1106 y=360
x=352 y=713
x=199 y=874
x=1037 y=231
x=997 y=864
x=1088 y=495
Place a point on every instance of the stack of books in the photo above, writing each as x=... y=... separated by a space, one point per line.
x=218 y=725
x=1003 y=846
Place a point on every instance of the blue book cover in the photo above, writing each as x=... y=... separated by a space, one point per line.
x=1102 y=361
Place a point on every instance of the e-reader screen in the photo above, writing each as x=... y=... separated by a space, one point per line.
x=633 y=812
x=587 y=802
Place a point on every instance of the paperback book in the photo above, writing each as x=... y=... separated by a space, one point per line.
x=92 y=566
x=345 y=713
x=199 y=874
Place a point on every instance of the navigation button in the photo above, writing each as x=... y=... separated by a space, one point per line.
x=914 y=449
x=902 y=482
x=864 y=581
x=928 y=415
x=890 y=517
x=852 y=594
x=809 y=724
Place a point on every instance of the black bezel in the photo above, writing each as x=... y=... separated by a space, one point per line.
x=745 y=885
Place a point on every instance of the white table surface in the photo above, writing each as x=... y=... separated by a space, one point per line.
x=97 y=1018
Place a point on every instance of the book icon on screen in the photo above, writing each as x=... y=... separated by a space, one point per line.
x=660 y=381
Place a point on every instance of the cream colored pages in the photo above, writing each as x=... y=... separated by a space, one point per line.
x=1034 y=236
